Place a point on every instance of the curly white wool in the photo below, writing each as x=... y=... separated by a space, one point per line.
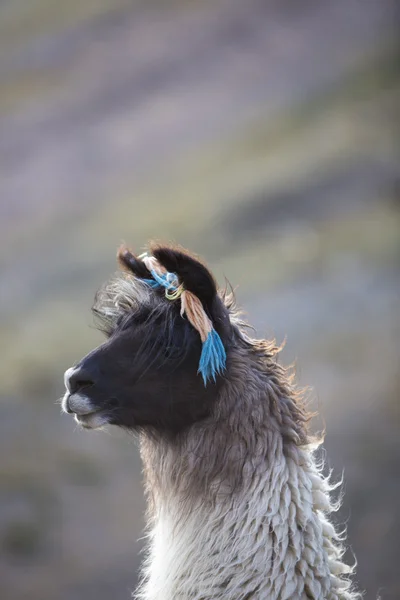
x=267 y=539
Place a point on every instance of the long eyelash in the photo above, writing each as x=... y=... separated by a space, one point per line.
x=103 y=323
x=119 y=297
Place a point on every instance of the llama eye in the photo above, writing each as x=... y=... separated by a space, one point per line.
x=137 y=318
x=104 y=322
x=169 y=352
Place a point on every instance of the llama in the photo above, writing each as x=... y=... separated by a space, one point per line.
x=237 y=504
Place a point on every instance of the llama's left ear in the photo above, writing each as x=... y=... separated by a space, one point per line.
x=196 y=278
x=129 y=262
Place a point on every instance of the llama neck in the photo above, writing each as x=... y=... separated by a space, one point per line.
x=238 y=506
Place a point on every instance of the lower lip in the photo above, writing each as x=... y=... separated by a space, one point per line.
x=93 y=420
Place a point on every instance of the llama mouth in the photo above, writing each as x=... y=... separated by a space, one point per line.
x=77 y=404
x=85 y=414
x=93 y=420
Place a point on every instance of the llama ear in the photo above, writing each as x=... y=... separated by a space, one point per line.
x=130 y=263
x=195 y=277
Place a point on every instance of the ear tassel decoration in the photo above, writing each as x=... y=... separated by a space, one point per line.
x=213 y=355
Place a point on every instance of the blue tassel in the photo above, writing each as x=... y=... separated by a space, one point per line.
x=167 y=280
x=213 y=357
x=151 y=283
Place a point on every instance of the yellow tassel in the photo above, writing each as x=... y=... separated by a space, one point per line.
x=174 y=295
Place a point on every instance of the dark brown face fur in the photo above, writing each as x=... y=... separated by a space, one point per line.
x=145 y=376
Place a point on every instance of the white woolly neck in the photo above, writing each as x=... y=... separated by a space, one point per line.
x=238 y=509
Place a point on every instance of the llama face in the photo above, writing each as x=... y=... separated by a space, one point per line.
x=145 y=375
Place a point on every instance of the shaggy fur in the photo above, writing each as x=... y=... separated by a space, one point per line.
x=238 y=505
x=238 y=508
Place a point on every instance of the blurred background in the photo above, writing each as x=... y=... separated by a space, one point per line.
x=263 y=135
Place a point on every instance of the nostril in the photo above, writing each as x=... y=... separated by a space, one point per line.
x=77 y=379
x=81 y=383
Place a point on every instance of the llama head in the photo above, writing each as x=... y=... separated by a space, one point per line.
x=145 y=375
